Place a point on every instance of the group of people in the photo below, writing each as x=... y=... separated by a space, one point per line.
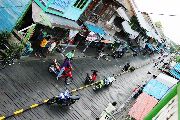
x=66 y=66
x=162 y=59
x=46 y=46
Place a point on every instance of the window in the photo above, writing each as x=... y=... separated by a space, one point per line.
x=80 y=4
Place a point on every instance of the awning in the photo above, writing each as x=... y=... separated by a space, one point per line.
x=108 y=37
x=144 y=24
x=175 y=73
x=156 y=36
x=122 y=13
x=127 y=28
x=150 y=46
x=51 y=20
x=94 y=28
x=106 y=41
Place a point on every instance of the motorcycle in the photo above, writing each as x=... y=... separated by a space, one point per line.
x=90 y=79
x=117 y=54
x=64 y=99
x=67 y=73
x=102 y=55
x=104 y=83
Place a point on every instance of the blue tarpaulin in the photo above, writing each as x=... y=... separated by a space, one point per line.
x=95 y=29
x=155 y=89
x=150 y=46
x=174 y=73
x=177 y=67
x=10 y=12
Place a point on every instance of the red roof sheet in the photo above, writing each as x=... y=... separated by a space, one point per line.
x=143 y=106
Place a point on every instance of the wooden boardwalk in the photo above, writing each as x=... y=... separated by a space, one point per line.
x=30 y=82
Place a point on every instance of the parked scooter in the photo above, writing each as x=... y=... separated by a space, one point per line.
x=138 y=90
x=119 y=54
x=126 y=67
x=64 y=99
x=67 y=73
x=59 y=49
x=104 y=83
x=103 y=55
x=91 y=78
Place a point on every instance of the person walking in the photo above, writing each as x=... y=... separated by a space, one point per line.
x=70 y=54
x=41 y=49
x=28 y=49
x=66 y=65
x=59 y=74
x=52 y=46
x=107 y=113
x=42 y=34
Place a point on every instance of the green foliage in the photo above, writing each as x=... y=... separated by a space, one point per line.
x=4 y=35
x=18 y=47
x=158 y=24
x=178 y=58
x=134 y=20
x=19 y=24
x=172 y=49
x=14 y=48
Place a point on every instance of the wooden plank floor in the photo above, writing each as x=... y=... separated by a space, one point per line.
x=30 y=82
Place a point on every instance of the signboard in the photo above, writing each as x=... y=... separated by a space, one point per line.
x=71 y=9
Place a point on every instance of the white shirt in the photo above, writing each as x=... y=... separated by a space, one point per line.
x=53 y=45
x=109 y=80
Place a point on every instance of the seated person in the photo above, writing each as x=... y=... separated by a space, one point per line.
x=109 y=80
x=56 y=65
x=94 y=75
x=126 y=67
x=100 y=84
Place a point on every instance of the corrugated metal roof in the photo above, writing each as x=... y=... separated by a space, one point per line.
x=10 y=12
x=169 y=111
x=143 y=105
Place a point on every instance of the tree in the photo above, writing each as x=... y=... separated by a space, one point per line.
x=158 y=24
